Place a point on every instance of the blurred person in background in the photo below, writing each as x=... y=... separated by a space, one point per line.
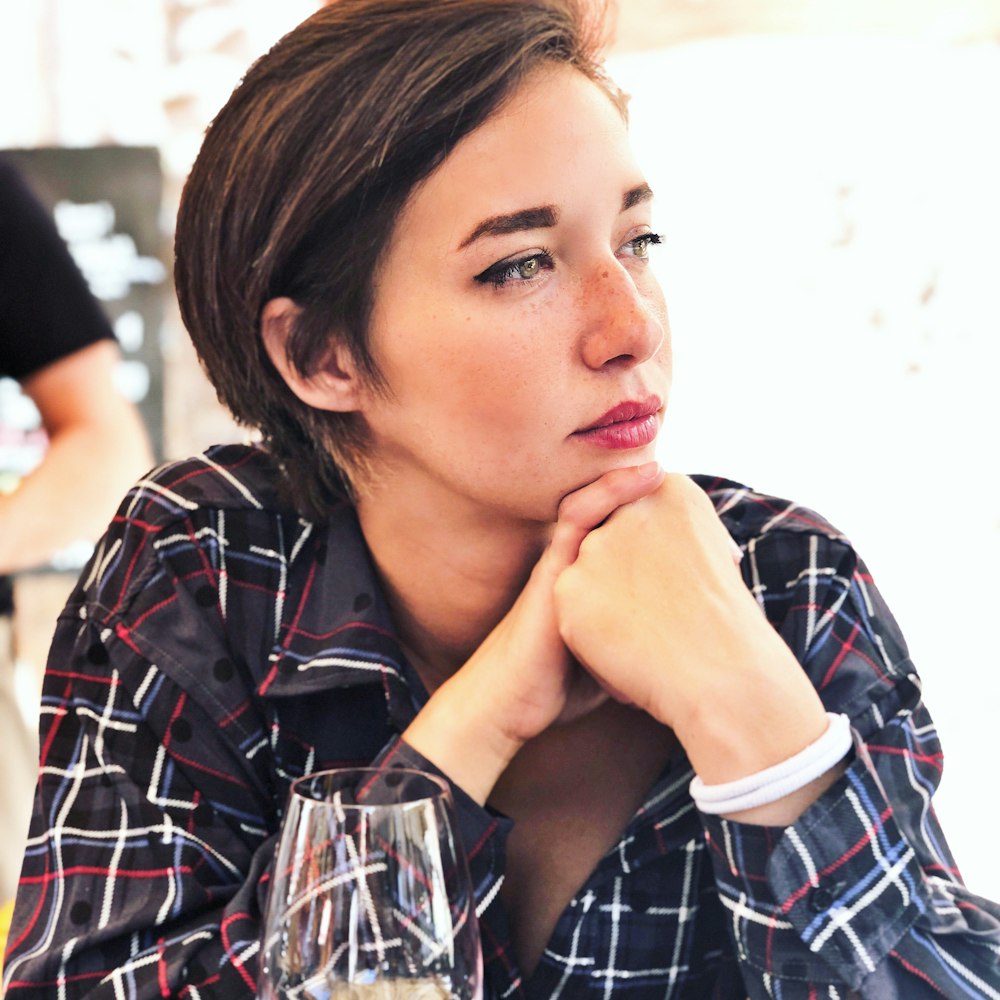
x=57 y=343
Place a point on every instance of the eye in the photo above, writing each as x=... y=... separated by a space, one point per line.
x=639 y=246
x=520 y=270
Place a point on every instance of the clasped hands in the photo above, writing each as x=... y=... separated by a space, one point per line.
x=637 y=597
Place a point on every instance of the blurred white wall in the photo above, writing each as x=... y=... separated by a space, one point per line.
x=831 y=215
x=141 y=72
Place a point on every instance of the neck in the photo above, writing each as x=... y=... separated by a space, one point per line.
x=449 y=576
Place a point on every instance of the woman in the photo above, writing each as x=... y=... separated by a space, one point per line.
x=414 y=253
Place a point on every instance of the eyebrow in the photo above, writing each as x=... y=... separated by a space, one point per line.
x=542 y=217
x=636 y=196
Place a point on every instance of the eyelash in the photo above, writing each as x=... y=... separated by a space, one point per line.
x=645 y=240
x=503 y=273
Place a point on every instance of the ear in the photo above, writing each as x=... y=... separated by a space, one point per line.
x=335 y=385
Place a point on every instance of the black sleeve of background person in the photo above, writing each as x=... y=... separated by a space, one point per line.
x=46 y=309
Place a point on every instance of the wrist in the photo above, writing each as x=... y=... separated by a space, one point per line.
x=752 y=708
x=786 y=810
x=794 y=782
x=729 y=746
x=457 y=732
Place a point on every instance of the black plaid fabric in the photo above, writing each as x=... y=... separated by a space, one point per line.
x=218 y=647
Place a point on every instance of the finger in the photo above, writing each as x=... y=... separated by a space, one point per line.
x=696 y=496
x=613 y=692
x=584 y=509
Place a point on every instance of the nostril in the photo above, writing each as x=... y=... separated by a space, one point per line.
x=620 y=359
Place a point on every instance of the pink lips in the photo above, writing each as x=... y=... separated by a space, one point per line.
x=632 y=424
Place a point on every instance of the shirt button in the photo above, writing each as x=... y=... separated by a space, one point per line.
x=821 y=899
x=223 y=670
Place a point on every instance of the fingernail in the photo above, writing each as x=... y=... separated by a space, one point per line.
x=649 y=470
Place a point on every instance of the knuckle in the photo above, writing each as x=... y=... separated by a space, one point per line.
x=564 y=585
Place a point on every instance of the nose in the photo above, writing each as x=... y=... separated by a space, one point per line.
x=624 y=320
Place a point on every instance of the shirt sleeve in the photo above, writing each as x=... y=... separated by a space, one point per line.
x=160 y=793
x=862 y=892
x=46 y=308
x=143 y=870
x=483 y=832
x=163 y=780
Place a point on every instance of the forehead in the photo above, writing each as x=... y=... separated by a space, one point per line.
x=558 y=135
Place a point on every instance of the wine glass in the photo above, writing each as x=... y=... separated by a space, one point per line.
x=370 y=898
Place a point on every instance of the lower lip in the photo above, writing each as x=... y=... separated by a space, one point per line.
x=623 y=434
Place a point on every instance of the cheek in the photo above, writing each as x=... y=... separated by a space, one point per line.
x=505 y=368
x=471 y=369
x=500 y=392
x=666 y=353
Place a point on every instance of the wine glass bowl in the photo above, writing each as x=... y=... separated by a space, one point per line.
x=370 y=896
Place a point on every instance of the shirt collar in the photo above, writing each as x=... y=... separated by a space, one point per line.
x=337 y=631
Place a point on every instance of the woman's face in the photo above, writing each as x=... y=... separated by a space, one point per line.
x=517 y=323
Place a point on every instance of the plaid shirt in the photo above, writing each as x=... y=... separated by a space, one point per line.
x=218 y=646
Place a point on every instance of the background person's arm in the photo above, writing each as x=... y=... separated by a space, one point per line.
x=97 y=447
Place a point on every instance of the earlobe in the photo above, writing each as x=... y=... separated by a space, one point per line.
x=334 y=385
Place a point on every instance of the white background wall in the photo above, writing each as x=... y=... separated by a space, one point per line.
x=831 y=213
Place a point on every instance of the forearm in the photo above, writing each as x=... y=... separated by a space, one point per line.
x=207 y=948
x=461 y=741
x=127 y=879
x=765 y=749
x=74 y=492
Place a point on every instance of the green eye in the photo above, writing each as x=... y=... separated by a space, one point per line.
x=639 y=247
x=509 y=272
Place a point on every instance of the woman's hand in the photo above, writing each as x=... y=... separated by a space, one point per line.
x=656 y=610
x=522 y=678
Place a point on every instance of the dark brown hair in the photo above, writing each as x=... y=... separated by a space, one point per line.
x=303 y=173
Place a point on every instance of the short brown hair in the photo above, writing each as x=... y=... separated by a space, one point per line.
x=303 y=173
